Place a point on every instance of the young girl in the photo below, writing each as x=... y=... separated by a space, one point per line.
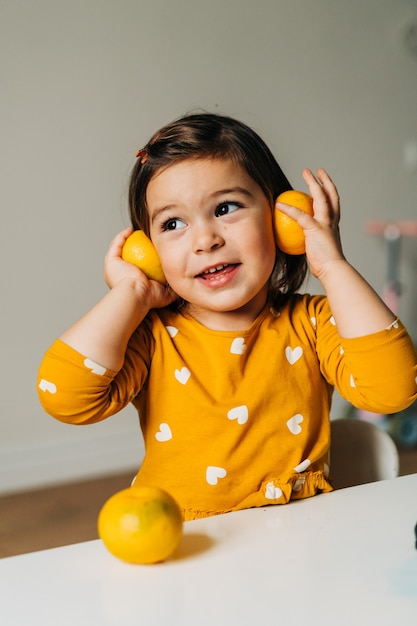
x=230 y=369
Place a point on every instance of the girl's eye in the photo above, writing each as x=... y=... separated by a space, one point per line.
x=173 y=223
x=226 y=207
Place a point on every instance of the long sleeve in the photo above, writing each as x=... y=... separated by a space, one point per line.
x=377 y=372
x=76 y=390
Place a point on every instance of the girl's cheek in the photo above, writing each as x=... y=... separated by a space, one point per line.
x=170 y=265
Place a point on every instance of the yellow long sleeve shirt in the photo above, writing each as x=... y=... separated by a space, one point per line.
x=232 y=420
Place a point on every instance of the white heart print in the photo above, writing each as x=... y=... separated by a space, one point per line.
x=183 y=375
x=213 y=473
x=272 y=492
x=239 y=413
x=94 y=367
x=164 y=433
x=302 y=466
x=294 y=422
x=293 y=355
x=45 y=385
x=172 y=331
x=238 y=346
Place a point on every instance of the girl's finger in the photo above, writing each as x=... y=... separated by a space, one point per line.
x=116 y=245
x=325 y=196
x=329 y=188
x=322 y=209
x=311 y=181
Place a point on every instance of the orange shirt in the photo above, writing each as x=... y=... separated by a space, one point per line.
x=235 y=419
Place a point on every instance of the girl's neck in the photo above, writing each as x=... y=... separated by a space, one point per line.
x=238 y=320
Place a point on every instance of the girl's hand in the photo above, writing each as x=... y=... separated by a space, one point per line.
x=356 y=307
x=154 y=294
x=323 y=245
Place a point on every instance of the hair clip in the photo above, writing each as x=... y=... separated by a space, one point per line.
x=143 y=156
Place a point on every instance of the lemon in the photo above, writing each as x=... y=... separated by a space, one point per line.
x=140 y=524
x=139 y=250
x=289 y=235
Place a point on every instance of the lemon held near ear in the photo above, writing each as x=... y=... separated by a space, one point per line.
x=139 y=250
x=289 y=235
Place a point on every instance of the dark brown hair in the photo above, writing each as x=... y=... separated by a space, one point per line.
x=206 y=135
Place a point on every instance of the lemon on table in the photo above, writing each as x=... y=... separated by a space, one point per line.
x=139 y=250
x=289 y=235
x=140 y=524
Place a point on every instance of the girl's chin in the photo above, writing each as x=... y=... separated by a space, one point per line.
x=229 y=306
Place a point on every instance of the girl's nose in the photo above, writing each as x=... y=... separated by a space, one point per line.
x=206 y=240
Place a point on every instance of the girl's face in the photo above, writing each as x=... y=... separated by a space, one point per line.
x=212 y=227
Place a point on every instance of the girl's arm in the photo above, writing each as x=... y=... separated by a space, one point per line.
x=103 y=333
x=356 y=307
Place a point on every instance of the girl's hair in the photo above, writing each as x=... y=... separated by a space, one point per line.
x=210 y=136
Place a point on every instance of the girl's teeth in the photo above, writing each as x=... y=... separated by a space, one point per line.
x=215 y=269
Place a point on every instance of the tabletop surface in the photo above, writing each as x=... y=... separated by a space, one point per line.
x=343 y=558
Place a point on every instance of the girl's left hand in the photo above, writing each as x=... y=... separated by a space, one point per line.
x=323 y=245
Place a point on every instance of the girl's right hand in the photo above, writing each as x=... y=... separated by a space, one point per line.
x=116 y=270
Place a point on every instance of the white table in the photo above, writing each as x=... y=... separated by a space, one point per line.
x=344 y=558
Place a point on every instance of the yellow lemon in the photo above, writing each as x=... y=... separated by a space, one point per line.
x=140 y=251
x=140 y=524
x=289 y=235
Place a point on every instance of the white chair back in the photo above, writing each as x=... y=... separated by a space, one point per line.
x=361 y=453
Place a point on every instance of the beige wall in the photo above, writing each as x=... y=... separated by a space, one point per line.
x=84 y=83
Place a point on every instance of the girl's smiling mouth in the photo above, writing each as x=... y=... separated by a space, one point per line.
x=219 y=274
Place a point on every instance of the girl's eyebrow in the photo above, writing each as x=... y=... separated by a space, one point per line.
x=224 y=192
x=214 y=195
x=157 y=212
